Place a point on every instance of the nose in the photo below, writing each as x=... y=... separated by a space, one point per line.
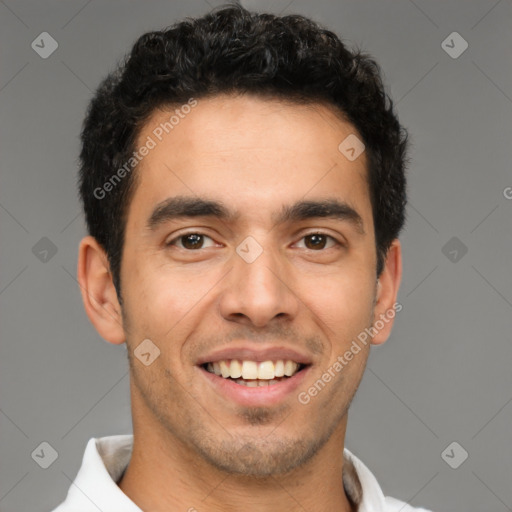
x=257 y=292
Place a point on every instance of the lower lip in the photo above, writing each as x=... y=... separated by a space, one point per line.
x=257 y=396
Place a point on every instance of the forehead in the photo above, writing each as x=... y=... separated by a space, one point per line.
x=249 y=150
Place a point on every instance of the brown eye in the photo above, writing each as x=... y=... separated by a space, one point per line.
x=190 y=241
x=318 y=241
x=315 y=241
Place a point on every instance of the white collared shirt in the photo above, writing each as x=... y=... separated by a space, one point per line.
x=105 y=459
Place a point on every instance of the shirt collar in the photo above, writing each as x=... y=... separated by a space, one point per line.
x=106 y=458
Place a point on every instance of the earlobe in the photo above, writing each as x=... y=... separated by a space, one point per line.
x=98 y=292
x=386 y=294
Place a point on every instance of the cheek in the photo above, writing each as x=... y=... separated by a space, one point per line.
x=343 y=297
x=168 y=303
x=342 y=304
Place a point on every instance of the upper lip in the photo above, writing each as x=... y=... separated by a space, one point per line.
x=245 y=353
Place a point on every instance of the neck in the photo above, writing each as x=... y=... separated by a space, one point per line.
x=164 y=475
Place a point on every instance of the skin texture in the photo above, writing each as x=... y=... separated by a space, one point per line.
x=194 y=447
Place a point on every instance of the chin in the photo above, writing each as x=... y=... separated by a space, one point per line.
x=260 y=457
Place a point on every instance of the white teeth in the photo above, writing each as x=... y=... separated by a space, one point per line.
x=266 y=370
x=290 y=368
x=279 y=368
x=252 y=370
x=252 y=384
x=235 y=369
x=249 y=370
x=224 y=368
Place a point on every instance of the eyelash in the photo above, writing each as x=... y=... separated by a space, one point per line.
x=179 y=237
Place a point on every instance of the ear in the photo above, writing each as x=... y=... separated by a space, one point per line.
x=98 y=291
x=388 y=284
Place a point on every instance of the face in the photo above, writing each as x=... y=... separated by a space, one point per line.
x=268 y=256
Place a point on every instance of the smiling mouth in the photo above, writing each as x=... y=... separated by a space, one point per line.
x=253 y=373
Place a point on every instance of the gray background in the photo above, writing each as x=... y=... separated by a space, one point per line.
x=443 y=376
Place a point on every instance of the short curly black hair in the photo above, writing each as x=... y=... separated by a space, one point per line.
x=233 y=50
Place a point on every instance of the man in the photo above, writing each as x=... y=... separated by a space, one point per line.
x=242 y=177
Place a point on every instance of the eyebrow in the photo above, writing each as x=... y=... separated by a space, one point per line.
x=179 y=207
